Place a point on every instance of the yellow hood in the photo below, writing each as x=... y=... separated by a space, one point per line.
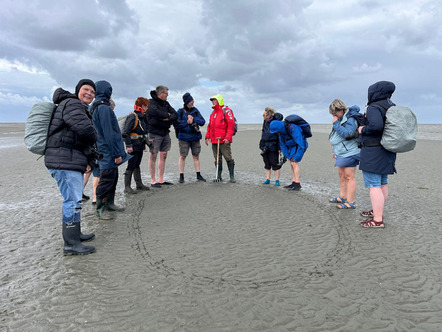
x=219 y=98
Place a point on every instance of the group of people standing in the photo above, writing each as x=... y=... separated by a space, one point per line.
x=84 y=137
x=85 y=130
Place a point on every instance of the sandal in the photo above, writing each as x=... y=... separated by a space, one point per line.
x=338 y=199
x=367 y=214
x=371 y=223
x=349 y=206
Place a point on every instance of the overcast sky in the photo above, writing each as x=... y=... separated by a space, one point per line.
x=295 y=56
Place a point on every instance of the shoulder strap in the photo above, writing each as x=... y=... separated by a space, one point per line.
x=95 y=105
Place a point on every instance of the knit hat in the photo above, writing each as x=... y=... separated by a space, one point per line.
x=187 y=98
x=82 y=82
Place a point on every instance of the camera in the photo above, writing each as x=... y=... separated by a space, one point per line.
x=264 y=151
x=353 y=135
x=92 y=153
x=282 y=159
x=195 y=127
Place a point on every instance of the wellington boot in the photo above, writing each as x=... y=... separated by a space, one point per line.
x=101 y=210
x=231 y=166
x=138 y=181
x=72 y=242
x=86 y=237
x=127 y=182
x=220 y=172
x=110 y=206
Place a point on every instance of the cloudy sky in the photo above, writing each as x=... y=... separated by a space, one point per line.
x=294 y=55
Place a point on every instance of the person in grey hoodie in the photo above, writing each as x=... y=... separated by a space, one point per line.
x=346 y=152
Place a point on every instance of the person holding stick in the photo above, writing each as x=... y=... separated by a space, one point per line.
x=220 y=131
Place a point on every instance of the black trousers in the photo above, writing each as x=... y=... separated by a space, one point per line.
x=108 y=182
x=135 y=161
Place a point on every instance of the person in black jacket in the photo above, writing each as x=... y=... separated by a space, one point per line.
x=68 y=155
x=134 y=135
x=376 y=162
x=159 y=119
x=269 y=145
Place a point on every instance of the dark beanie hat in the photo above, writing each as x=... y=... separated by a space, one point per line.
x=187 y=98
x=82 y=82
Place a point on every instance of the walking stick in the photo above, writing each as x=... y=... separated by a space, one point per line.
x=217 y=161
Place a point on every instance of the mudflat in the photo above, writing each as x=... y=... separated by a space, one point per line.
x=204 y=256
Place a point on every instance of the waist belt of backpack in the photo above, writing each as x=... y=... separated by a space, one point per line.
x=136 y=136
x=372 y=142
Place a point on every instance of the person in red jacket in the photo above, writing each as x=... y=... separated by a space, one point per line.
x=221 y=129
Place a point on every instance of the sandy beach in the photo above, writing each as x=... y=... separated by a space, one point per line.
x=222 y=256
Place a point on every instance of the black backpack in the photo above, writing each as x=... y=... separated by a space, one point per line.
x=299 y=121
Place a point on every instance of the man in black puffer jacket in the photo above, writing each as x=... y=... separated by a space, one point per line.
x=70 y=138
x=160 y=117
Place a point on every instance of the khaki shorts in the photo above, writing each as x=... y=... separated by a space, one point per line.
x=186 y=146
x=160 y=143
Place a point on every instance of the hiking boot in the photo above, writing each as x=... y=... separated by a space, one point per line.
x=181 y=180
x=290 y=185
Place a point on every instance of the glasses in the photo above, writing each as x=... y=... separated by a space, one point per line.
x=92 y=92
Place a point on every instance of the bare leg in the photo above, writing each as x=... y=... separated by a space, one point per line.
x=161 y=166
x=377 y=202
x=95 y=184
x=196 y=163
x=342 y=183
x=295 y=171
x=152 y=161
x=181 y=163
x=86 y=179
x=268 y=173
x=349 y=174
x=277 y=173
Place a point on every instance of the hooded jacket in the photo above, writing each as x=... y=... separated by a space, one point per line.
x=374 y=158
x=71 y=133
x=268 y=140
x=222 y=123
x=347 y=125
x=293 y=145
x=159 y=110
x=110 y=142
x=185 y=131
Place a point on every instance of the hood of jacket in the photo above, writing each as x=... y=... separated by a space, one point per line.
x=278 y=117
x=219 y=98
x=277 y=126
x=380 y=91
x=61 y=94
x=103 y=91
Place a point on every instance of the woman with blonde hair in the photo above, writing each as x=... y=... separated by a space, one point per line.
x=345 y=151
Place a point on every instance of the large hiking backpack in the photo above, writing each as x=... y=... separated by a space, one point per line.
x=236 y=122
x=400 y=129
x=123 y=119
x=37 y=126
x=299 y=121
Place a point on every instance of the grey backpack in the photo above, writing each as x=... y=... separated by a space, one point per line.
x=37 y=126
x=400 y=129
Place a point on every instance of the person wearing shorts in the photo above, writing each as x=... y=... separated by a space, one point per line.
x=345 y=151
x=189 y=135
x=376 y=162
x=160 y=117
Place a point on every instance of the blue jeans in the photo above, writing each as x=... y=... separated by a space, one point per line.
x=373 y=180
x=70 y=184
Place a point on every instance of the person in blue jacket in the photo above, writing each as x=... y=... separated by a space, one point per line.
x=376 y=162
x=293 y=145
x=110 y=145
x=269 y=145
x=189 y=135
x=345 y=151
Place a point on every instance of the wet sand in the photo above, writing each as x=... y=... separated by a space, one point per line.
x=221 y=256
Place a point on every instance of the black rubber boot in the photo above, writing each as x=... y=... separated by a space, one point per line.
x=181 y=178
x=127 y=182
x=138 y=180
x=101 y=210
x=220 y=171
x=231 y=166
x=110 y=206
x=72 y=242
x=86 y=237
